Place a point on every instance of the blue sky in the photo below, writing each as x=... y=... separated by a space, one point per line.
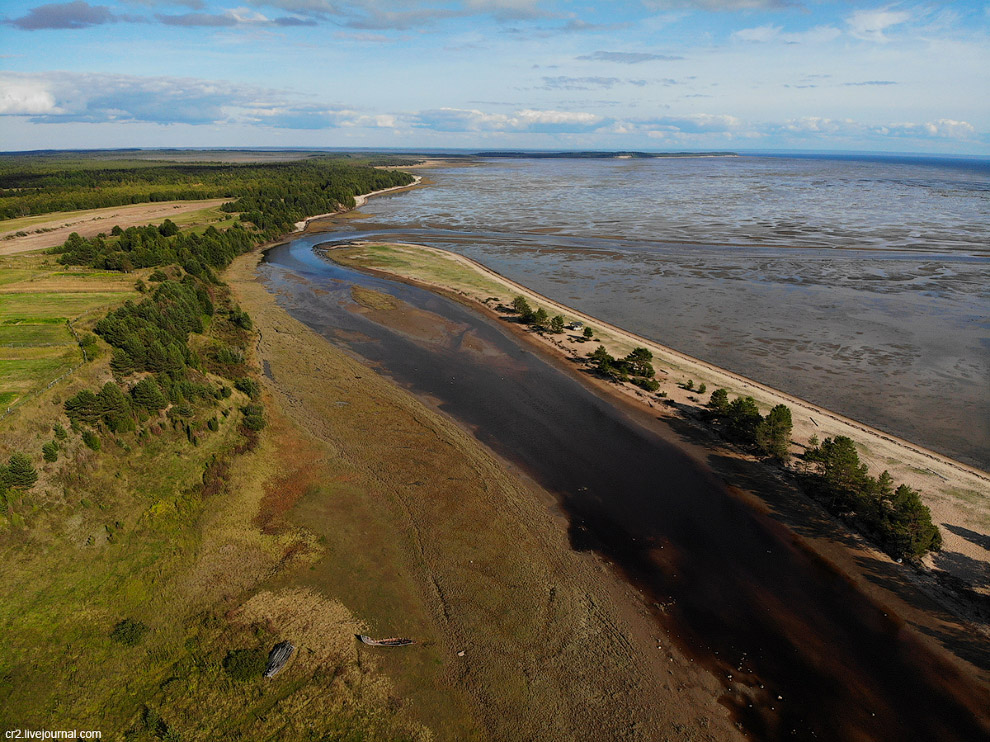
x=644 y=74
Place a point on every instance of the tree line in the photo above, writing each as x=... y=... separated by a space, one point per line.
x=893 y=517
x=297 y=189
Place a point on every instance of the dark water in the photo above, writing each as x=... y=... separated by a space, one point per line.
x=810 y=658
x=861 y=285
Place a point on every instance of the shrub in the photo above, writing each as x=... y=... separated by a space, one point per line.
x=650 y=385
x=91 y=440
x=19 y=472
x=254 y=416
x=60 y=432
x=49 y=451
x=245 y=664
x=228 y=356
x=129 y=632
x=249 y=386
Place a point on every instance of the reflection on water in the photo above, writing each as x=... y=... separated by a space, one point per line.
x=859 y=285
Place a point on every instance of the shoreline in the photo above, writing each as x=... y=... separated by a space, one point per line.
x=703 y=366
x=359 y=201
x=894 y=588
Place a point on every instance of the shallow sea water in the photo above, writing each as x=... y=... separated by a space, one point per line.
x=859 y=284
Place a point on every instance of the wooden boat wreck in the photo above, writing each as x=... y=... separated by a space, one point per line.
x=277 y=658
x=392 y=642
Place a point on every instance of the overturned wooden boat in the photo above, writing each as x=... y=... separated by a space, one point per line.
x=391 y=642
x=278 y=657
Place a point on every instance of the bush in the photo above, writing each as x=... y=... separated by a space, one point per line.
x=60 y=432
x=129 y=632
x=650 y=385
x=718 y=403
x=245 y=664
x=91 y=440
x=49 y=451
x=249 y=386
x=254 y=416
x=19 y=472
x=228 y=356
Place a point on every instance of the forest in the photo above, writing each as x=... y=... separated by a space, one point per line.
x=29 y=186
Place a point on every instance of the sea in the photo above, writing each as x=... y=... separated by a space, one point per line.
x=859 y=283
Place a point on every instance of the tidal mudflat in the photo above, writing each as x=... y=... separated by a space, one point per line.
x=802 y=273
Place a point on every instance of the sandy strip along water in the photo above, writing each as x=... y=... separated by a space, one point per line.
x=802 y=653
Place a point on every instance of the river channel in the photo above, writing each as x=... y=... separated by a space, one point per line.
x=803 y=654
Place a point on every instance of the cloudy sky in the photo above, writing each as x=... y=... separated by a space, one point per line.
x=642 y=74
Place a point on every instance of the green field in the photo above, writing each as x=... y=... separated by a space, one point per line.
x=23 y=308
x=36 y=344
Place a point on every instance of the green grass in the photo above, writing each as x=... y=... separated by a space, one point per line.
x=36 y=346
x=424 y=265
x=24 y=334
x=29 y=307
x=24 y=374
x=15 y=275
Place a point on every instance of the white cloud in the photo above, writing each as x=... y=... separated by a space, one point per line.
x=938 y=129
x=532 y=120
x=821 y=125
x=870 y=25
x=25 y=97
x=769 y=33
x=529 y=117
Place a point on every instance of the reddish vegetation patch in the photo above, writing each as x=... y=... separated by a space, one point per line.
x=215 y=476
x=284 y=491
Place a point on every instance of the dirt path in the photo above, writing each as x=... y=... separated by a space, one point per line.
x=430 y=536
x=91 y=222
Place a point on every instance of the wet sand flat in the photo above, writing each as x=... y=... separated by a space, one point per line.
x=860 y=286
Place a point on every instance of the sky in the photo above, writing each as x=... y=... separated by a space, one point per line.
x=652 y=75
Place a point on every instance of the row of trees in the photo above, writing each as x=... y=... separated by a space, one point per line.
x=636 y=367
x=893 y=517
x=743 y=422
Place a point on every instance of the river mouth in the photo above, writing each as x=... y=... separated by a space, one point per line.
x=802 y=654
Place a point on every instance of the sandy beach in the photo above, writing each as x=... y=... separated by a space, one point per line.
x=359 y=201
